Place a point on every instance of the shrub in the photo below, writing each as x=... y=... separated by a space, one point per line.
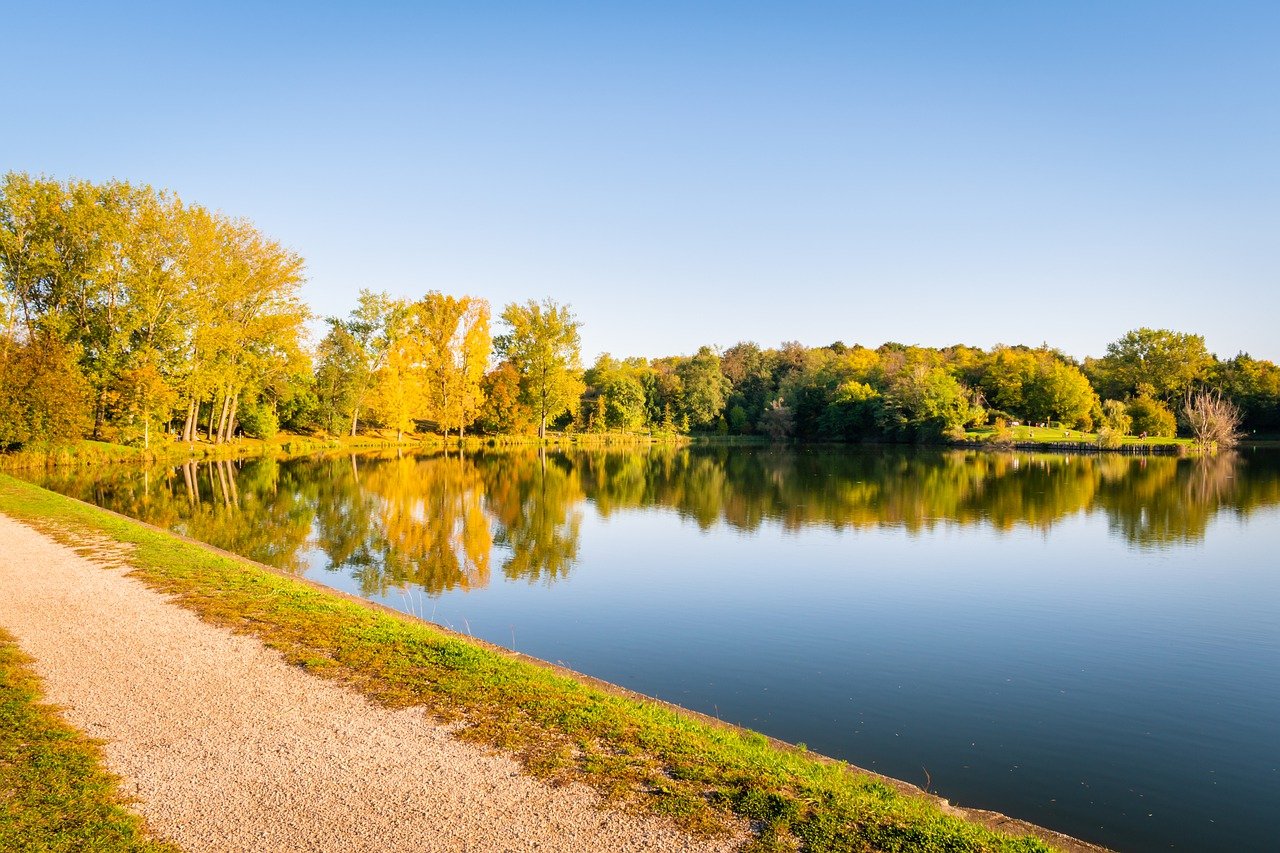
x=1109 y=438
x=1214 y=421
x=1152 y=417
x=259 y=421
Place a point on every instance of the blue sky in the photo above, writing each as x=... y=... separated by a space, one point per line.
x=688 y=174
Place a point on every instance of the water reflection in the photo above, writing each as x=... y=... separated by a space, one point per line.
x=438 y=522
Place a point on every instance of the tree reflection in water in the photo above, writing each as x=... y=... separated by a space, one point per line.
x=438 y=522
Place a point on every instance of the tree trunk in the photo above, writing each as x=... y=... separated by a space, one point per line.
x=355 y=416
x=99 y=413
x=213 y=408
x=189 y=426
x=231 y=419
x=222 y=419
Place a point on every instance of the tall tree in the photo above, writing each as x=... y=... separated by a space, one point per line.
x=705 y=388
x=398 y=394
x=455 y=351
x=542 y=344
x=376 y=325
x=1170 y=362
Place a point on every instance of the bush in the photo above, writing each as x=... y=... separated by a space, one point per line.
x=1214 y=420
x=1003 y=436
x=1109 y=438
x=1152 y=417
x=1116 y=417
x=259 y=421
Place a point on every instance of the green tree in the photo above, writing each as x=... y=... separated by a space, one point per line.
x=1170 y=362
x=749 y=370
x=705 y=388
x=339 y=380
x=1253 y=385
x=924 y=402
x=1151 y=416
x=620 y=391
x=1115 y=417
x=1059 y=392
x=542 y=345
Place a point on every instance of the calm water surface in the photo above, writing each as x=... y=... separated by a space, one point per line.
x=1089 y=643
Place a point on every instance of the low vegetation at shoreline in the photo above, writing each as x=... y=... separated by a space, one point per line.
x=638 y=753
x=88 y=452
x=55 y=794
x=1057 y=437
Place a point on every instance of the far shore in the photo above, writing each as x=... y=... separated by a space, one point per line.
x=87 y=452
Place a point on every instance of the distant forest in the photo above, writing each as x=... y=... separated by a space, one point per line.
x=128 y=314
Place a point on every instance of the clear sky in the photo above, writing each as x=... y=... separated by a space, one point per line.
x=702 y=173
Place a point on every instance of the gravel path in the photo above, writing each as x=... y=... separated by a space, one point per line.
x=227 y=748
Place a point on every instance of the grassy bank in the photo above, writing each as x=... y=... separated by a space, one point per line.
x=55 y=794
x=1054 y=437
x=642 y=754
x=89 y=452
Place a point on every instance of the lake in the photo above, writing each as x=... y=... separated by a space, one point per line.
x=1091 y=643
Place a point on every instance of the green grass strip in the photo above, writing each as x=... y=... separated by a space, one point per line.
x=55 y=794
x=640 y=754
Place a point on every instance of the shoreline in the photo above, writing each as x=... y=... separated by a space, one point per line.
x=87 y=453
x=988 y=819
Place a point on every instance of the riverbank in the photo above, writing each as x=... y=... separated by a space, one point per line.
x=640 y=753
x=87 y=452
x=227 y=747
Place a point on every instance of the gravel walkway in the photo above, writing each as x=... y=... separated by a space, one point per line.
x=227 y=748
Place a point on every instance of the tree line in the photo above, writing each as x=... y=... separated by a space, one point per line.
x=128 y=312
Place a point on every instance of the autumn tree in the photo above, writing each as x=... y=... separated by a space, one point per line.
x=145 y=397
x=455 y=345
x=503 y=410
x=1056 y=391
x=398 y=395
x=542 y=345
x=43 y=397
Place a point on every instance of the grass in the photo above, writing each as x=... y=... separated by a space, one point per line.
x=55 y=794
x=641 y=754
x=1045 y=435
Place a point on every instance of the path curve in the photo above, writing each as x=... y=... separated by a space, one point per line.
x=227 y=748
